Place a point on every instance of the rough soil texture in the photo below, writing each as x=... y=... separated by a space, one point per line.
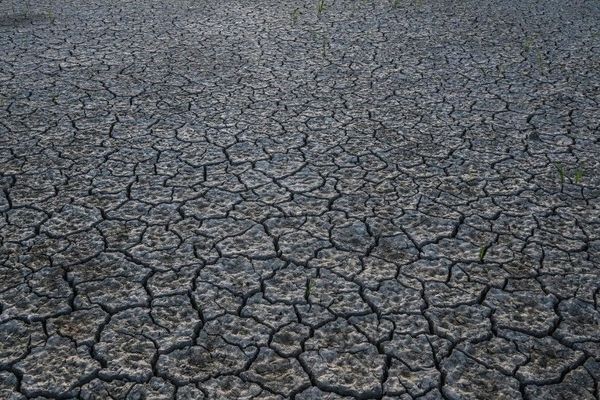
x=254 y=200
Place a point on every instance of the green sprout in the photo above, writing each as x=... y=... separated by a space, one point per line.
x=540 y=59
x=309 y=288
x=295 y=15
x=321 y=6
x=325 y=47
x=482 y=252
x=578 y=175
x=528 y=43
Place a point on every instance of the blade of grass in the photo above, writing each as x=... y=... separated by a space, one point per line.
x=482 y=252
x=321 y=6
x=578 y=175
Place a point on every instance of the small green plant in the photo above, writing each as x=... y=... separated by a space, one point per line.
x=482 y=252
x=321 y=6
x=325 y=47
x=396 y=3
x=528 y=43
x=309 y=288
x=540 y=59
x=295 y=15
x=561 y=172
x=578 y=175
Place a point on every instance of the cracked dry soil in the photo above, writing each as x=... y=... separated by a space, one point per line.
x=207 y=199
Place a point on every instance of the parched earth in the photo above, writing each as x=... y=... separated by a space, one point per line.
x=267 y=199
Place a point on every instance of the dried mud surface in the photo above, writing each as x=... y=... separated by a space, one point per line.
x=255 y=200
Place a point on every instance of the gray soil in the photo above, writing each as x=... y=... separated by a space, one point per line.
x=208 y=199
